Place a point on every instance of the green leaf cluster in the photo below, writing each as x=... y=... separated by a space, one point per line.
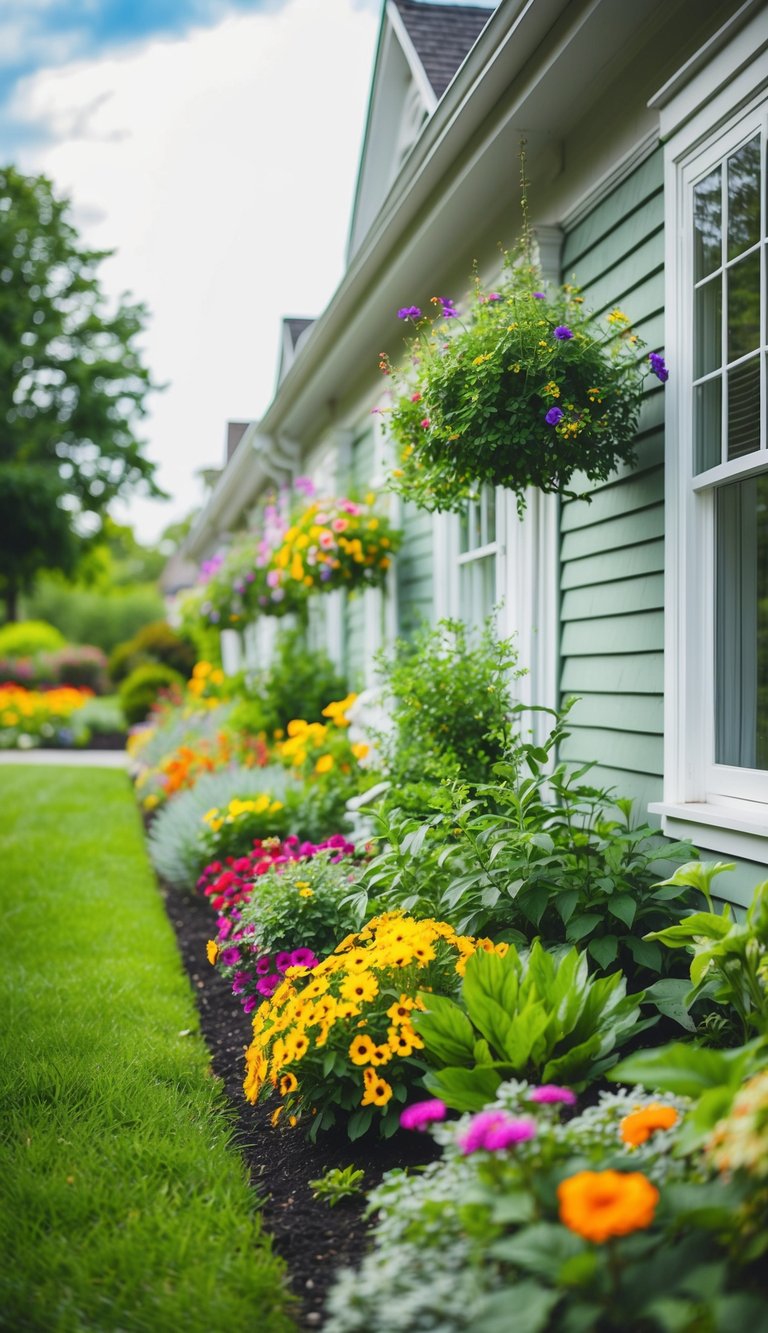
x=534 y=1015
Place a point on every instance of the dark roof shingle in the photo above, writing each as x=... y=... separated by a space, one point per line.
x=443 y=36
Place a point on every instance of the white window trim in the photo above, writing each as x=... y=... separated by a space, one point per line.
x=699 y=111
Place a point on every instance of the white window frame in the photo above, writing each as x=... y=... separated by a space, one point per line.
x=707 y=111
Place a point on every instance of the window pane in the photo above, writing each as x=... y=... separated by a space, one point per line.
x=744 y=306
x=744 y=198
x=707 y=418
x=744 y=408
x=707 y=225
x=708 y=310
x=741 y=650
x=477 y=590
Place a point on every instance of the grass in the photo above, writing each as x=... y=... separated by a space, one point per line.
x=124 y=1205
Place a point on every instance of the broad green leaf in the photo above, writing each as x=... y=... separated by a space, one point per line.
x=541 y=1249
x=669 y=996
x=446 y=1030
x=604 y=949
x=464 y=1089
x=522 y=1308
x=359 y=1122
x=565 y=904
x=623 y=906
x=581 y=925
x=687 y=1070
x=698 y=924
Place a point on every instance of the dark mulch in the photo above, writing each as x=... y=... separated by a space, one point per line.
x=314 y=1239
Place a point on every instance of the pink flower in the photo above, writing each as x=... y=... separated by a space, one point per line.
x=550 y=1094
x=268 y=985
x=493 y=1131
x=282 y=961
x=339 y=524
x=302 y=958
x=263 y=965
x=422 y=1114
x=229 y=957
x=425 y=424
x=249 y=1003
x=415 y=397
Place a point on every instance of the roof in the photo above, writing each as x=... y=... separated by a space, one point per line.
x=296 y=327
x=442 y=35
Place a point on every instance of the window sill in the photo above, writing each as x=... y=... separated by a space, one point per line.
x=739 y=829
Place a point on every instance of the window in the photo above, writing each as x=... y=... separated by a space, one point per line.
x=716 y=725
x=480 y=580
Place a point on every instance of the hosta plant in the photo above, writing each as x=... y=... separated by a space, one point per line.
x=532 y=1015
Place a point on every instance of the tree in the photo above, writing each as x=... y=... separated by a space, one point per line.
x=72 y=388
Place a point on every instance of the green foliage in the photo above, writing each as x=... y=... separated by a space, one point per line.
x=450 y=706
x=26 y=638
x=139 y=691
x=125 y=1200
x=338 y=1183
x=175 y=844
x=535 y=1015
x=479 y=1239
x=710 y=1078
x=729 y=963
x=93 y=615
x=471 y=406
x=74 y=380
x=102 y=717
x=536 y=853
x=305 y=902
x=297 y=684
x=155 y=642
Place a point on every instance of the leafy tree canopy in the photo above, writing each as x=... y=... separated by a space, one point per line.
x=72 y=388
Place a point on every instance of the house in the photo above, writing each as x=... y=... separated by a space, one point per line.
x=645 y=127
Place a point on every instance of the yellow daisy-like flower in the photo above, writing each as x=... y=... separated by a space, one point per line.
x=324 y=763
x=360 y=1049
x=288 y=1083
x=401 y=1011
x=360 y=987
x=306 y=893
x=297 y=1045
x=212 y=950
x=377 y=1093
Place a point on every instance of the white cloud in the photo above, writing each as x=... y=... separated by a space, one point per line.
x=221 y=166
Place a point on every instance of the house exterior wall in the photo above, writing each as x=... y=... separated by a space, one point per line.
x=612 y=547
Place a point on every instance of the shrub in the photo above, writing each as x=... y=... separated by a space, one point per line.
x=87 y=615
x=298 y=683
x=41 y=717
x=175 y=844
x=139 y=691
x=77 y=664
x=155 y=642
x=451 y=708
x=327 y=1037
x=26 y=638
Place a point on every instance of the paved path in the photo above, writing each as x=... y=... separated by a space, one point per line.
x=72 y=758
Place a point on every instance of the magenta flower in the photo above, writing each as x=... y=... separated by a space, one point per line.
x=263 y=965
x=249 y=1003
x=303 y=958
x=554 y=415
x=409 y=312
x=539 y=296
x=282 y=961
x=229 y=957
x=493 y=1131
x=421 y=1114
x=448 y=308
x=268 y=985
x=550 y=1094
x=425 y=424
x=562 y=333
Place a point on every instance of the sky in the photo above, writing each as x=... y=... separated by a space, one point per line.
x=214 y=145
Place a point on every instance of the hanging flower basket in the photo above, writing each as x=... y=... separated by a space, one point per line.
x=232 y=585
x=523 y=389
x=330 y=544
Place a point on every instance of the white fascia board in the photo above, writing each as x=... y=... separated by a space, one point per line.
x=412 y=56
x=377 y=77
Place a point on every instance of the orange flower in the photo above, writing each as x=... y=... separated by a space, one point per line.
x=601 y=1204
x=638 y=1127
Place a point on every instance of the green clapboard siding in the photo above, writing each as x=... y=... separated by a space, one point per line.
x=612 y=549
x=415 y=561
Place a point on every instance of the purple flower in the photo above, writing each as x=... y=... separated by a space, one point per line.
x=229 y=957
x=303 y=958
x=449 y=309
x=409 y=312
x=422 y=1114
x=263 y=965
x=239 y=982
x=562 y=333
x=554 y=415
x=268 y=985
x=305 y=485
x=249 y=1003
x=550 y=1094
x=282 y=961
x=493 y=1131
x=658 y=367
x=494 y=296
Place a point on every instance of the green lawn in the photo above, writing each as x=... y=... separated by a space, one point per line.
x=123 y=1204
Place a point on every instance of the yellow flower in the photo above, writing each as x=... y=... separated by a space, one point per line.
x=360 y=987
x=360 y=750
x=360 y=1049
x=324 y=763
x=478 y=360
x=377 y=1093
x=306 y=893
x=288 y=1083
x=212 y=950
